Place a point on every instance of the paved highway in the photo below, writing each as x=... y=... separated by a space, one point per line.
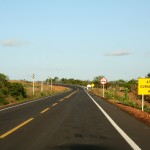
x=74 y=120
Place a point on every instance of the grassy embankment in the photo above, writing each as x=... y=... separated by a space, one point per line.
x=38 y=93
x=122 y=97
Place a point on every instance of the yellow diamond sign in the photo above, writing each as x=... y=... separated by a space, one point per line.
x=92 y=85
x=144 y=86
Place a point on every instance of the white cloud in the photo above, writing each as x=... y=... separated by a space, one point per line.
x=118 y=53
x=12 y=43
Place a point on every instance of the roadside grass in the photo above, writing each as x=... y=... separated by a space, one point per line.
x=125 y=99
x=39 y=92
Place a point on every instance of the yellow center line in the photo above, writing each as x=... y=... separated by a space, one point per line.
x=68 y=96
x=17 y=127
x=61 y=100
x=44 y=110
x=71 y=94
x=54 y=104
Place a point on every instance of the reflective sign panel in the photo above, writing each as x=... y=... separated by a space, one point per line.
x=144 y=86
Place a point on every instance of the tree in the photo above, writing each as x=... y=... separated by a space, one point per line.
x=131 y=85
x=4 y=84
x=148 y=75
x=96 y=80
x=3 y=81
x=4 y=87
x=120 y=82
x=56 y=80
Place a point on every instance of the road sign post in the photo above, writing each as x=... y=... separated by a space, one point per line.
x=143 y=88
x=103 y=91
x=142 y=102
x=51 y=84
x=103 y=81
x=33 y=77
x=41 y=86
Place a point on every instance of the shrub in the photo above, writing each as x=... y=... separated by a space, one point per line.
x=3 y=101
x=17 y=91
x=43 y=94
x=146 y=108
x=109 y=95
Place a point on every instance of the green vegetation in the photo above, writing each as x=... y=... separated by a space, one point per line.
x=10 y=92
x=125 y=100
x=70 y=81
x=15 y=91
x=19 y=91
x=113 y=88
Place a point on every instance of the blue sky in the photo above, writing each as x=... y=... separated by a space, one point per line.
x=75 y=39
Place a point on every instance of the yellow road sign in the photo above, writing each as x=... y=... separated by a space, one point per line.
x=92 y=85
x=144 y=86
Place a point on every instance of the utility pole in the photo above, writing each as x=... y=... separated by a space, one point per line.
x=41 y=86
x=33 y=77
x=51 y=84
x=48 y=81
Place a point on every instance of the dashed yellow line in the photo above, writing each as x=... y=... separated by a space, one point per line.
x=16 y=128
x=67 y=97
x=72 y=94
x=54 y=104
x=61 y=100
x=29 y=120
x=44 y=110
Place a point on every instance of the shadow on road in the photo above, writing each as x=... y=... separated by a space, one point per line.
x=83 y=147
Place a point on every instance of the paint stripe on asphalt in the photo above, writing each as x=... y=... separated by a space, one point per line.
x=54 y=104
x=26 y=103
x=122 y=133
x=71 y=94
x=16 y=128
x=44 y=110
x=61 y=100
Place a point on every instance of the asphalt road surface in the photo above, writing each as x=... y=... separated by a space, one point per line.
x=74 y=120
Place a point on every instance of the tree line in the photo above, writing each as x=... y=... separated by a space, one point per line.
x=130 y=85
x=10 y=90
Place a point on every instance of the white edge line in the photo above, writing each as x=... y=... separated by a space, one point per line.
x=25 y=103
x=29 y=102
x=122 y=133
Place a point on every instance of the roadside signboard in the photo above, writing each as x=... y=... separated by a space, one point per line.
x=103 y=80
x=88 y=86
x=92 y=85
x=144 y=86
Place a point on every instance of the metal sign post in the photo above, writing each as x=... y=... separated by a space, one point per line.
x=142 y=102
x=33 y=77
x=51 y=84
x=41 y=86
x=103 y=91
